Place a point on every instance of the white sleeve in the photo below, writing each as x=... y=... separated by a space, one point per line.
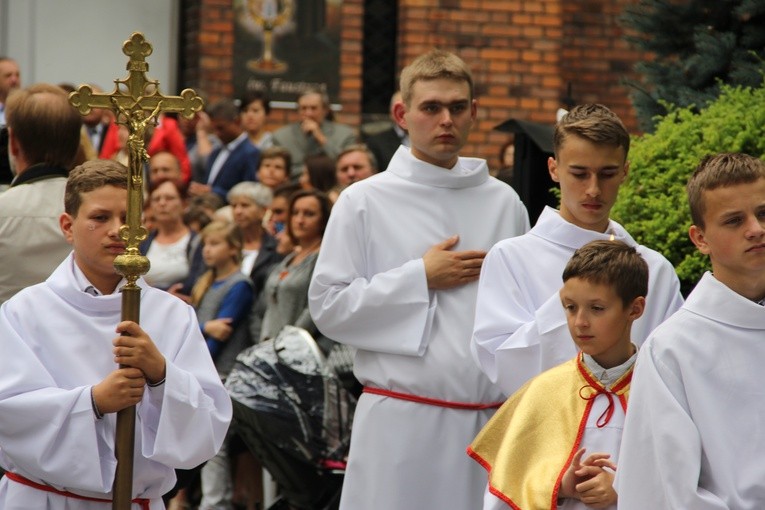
x=664 y=297
x=492 y=502
x=512 y=341
x=185 y=420
x=389 y=311
x=47 y=448
x=660 y=456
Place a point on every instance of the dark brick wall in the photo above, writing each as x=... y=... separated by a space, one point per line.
x=523 y=55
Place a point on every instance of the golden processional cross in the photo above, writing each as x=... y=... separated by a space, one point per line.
x=130 y=101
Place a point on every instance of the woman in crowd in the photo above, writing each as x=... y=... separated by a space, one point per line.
x=318 y=173
x=284 y=300
x=249 y=202
x=170 y=243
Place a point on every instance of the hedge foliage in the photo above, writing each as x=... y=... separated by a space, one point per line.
x=652 y=204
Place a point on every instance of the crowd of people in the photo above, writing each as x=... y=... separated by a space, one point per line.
x=558 y=355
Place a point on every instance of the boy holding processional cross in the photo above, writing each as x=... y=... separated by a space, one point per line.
x=61 y=379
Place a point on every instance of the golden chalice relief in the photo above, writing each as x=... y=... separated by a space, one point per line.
x=266 y=19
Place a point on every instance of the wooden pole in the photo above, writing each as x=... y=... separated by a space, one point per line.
x=124 y=440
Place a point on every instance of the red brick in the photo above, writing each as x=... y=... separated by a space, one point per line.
x=522 y=55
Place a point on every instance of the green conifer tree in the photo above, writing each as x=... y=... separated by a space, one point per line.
x=697 y=45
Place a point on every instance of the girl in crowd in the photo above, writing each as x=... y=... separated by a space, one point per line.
x=223 y=295
x=223 y=299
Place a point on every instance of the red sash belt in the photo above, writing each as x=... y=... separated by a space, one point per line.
x=47 y=488
x=432 y=401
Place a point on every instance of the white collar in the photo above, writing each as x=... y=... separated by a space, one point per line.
x=608 y=376
x=85 y=285
x=233 y=144
x=713 y=299
x=552 y=227
x=466 y=173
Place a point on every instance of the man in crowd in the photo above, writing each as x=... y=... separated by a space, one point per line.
x=314 y=133
x=355 y=163
x=235 y=160
x=10 y=79
x=44 y=133
x=164 y=165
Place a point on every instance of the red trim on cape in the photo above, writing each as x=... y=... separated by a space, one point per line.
x=144 y=502
x=615 y=389
x=583 y=423
x=577 y=442
x=487 y=467
x=432 y=401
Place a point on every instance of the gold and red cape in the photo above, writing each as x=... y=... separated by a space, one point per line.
x=528 y=444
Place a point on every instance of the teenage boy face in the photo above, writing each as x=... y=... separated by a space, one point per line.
x=438 y=119
x=734 y=236
x=598 y=321
x=94 y=234
x=589 y=176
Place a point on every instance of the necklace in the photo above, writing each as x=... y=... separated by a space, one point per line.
x=302 y=252
x=300 y=255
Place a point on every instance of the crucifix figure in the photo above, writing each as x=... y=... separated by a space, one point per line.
x=131 y=99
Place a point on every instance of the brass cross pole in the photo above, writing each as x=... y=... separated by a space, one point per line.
x=130 y=100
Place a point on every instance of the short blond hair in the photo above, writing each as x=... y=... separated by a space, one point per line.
x=719 y=171
x=434 y=65
x=595 y=123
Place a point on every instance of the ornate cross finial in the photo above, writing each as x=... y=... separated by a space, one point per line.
x=136 y=102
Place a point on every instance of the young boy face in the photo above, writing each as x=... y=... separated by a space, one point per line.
x=598 y=320
x=439 y=117
x=94 y=234
x=589 y=176
x=734 y=236
x=272 y=171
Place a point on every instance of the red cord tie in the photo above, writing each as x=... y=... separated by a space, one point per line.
x=144 y=502
x=605 y=417
x=468 y=406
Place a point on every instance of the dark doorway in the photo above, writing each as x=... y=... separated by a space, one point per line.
x=533 y=145
x=379 y=53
